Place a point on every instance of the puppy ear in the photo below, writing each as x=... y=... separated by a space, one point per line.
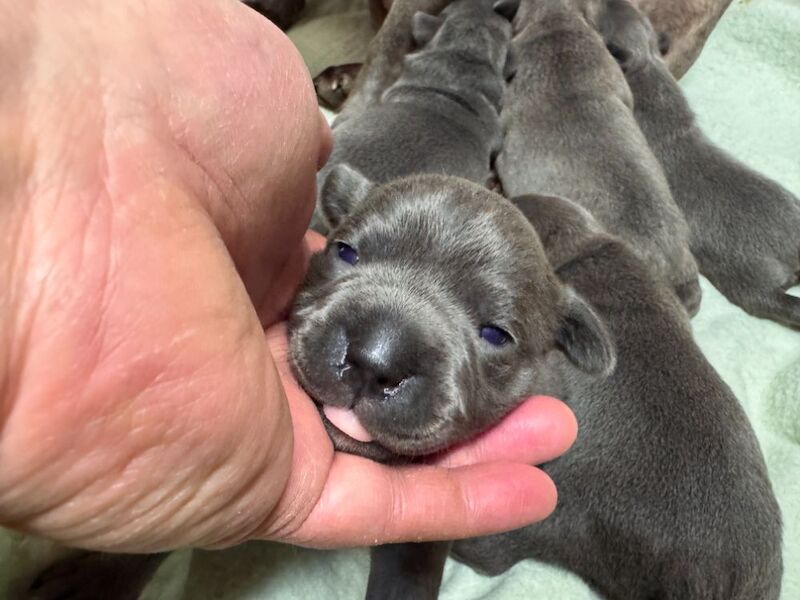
x=506 y=8
x=343 y=189
x=424 y=27
x=583 y=337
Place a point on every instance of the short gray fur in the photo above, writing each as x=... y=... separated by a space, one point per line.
x=441 y=115
x=664 y=495
x=570 y=131
x=744 y=228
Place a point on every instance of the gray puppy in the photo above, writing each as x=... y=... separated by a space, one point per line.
x=441 y=115
x=570 y=131
x=665 y=493
x=744 y=227
x=429 y=315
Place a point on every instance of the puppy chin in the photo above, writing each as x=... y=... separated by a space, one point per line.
x=386 y=446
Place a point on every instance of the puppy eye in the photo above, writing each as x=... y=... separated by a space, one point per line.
x=494 y=335
x=347 y=253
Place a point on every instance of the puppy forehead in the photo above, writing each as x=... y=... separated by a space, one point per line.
x=453 y=223
x=462 y=238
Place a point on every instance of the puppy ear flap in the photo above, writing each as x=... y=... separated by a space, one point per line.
x=343 y=189
x=506 y=8
x=583 y=338
x=424 y=27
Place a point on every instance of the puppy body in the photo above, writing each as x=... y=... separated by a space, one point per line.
x=441 y=115
x=665 y=493
x=744 y=227
x=570 y=131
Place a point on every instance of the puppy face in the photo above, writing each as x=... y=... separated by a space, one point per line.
x=629 y=35
x=429 y=313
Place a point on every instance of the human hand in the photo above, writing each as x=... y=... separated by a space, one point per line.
x=159 y=159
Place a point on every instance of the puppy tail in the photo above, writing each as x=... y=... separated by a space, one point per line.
x=385 y=53
x=780 y=307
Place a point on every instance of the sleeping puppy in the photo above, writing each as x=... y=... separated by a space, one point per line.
x=570 y=131
x=429 y=315
x=744 y=227
x=442 y=114
x=665 y=493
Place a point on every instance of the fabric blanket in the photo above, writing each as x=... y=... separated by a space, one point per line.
x=746 y=90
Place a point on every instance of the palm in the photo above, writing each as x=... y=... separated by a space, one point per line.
x=162 y=207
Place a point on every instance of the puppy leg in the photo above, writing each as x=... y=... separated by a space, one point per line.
x=406 y=571
x=777 y=306
x=96 y=576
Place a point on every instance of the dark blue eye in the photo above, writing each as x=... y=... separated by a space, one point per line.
x=494 y=335
x=347 y=253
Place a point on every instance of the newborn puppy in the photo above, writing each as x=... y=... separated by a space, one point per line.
x=744 y=227
x=429 y=315
x=570 y=131
x=665 y=493
x=442 y=114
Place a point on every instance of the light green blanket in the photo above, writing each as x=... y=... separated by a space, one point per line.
x=746 y=90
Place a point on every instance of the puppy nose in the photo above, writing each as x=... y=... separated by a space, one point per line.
x=379 y=358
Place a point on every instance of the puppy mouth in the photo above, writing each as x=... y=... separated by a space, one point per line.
x=349 y=435
x=344 y=428
x=346 y=421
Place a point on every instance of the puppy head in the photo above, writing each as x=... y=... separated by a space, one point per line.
x=429 y=314
x=468 y=26
x=629 y=35
x=564 y=227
